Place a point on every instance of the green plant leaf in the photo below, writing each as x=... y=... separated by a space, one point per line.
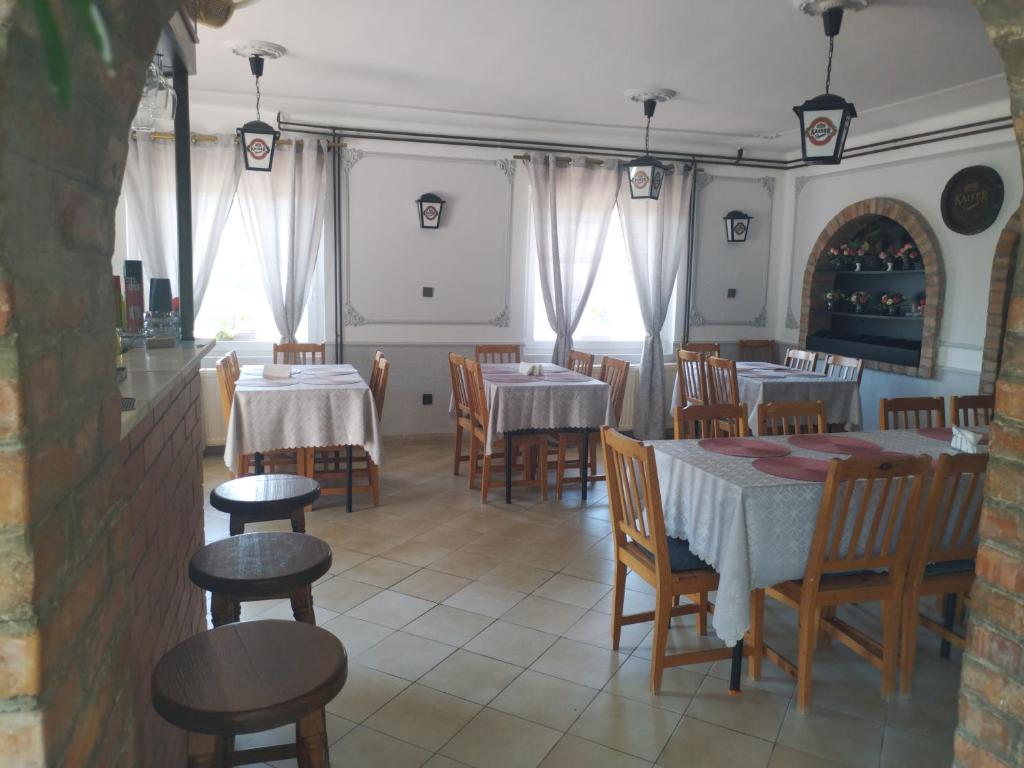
x=53 y=46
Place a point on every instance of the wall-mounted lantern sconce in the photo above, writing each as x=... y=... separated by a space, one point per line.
x=737 y=224
x=430 y=207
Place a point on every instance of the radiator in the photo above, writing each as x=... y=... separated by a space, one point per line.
x=209 y=398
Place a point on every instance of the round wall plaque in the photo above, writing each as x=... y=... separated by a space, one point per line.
x=972 y=199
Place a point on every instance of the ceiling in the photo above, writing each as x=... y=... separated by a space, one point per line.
x=562 y=67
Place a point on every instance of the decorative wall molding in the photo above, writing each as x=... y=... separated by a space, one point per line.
x=799 y=184
x=760 y=320
x=791 y=321
x=352 y=316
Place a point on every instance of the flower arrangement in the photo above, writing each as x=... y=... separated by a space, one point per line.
x=859 y=299
x=888 y=259
x=891 y=302
x=909 y=256
x=832 y=297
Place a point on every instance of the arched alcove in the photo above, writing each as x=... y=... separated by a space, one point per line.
x=1003 y=269
x=895 y=353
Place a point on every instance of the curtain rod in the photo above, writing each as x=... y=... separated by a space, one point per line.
x=209 y=138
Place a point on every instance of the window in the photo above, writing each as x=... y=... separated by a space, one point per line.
x=612 y=312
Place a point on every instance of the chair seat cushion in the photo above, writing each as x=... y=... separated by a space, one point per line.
x=948 y=567
x=681 y=558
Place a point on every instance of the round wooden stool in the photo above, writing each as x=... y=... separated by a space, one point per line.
x=259 y=498
x=260 y=566
x=248 y=677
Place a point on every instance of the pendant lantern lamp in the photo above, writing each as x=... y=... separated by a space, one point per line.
x=647 y=173
x=258 y=139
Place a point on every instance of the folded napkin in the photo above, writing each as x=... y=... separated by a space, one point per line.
x=968 y=441
x=531 y=369
x=277 y=371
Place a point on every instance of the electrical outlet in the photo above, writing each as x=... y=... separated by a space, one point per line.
x=428 y=399
x=731 y=293
x=428 y=292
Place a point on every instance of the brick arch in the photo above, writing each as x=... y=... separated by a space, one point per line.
x=935 y=275
x=1003 y=269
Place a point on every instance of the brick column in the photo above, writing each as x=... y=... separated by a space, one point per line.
x=991 y=733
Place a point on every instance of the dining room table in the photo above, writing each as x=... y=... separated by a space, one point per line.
x=315 y=406
x=556 y=399
x=761 y=382
x=749 y=506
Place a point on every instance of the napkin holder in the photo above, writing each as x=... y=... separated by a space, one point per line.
x=531 y=369
x=968 y=441
x=277 y=371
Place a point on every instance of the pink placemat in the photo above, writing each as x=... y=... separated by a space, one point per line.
x=794 y=468
x=834 y=444
x=743 y=446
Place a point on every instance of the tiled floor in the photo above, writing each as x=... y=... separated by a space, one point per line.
x=478 y=635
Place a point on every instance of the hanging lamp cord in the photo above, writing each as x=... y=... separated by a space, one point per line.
x=647 y=138
x=258 y=97
x=828 y=72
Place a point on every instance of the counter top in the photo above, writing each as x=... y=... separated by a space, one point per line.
x=153 y=372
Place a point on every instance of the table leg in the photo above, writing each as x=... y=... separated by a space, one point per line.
x=948 y=621
x=508 y=467
x=257 y=459
x=585 y=463
x=736 y=670
x=348 y=475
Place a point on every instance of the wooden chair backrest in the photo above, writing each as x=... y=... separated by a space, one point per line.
x=949 y=525
x=791 y=418
x=698 y=421
x=911 y=412
x=723 y=385
x=498 y=353
x=845 y=368
x=377 y=355
x=868 y=515
x=707 y=348
x=757 y=350
x=972 y=410
x=692 y=376
x=477 y=395
x=615 y=372
x=226 y=387
x=379 y=385
x=801 y=359
x=460 y=391
x=235 y=365
x=634 y=496
x=300 y=354
x=581 y=362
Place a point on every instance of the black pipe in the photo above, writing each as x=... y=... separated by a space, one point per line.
x=183 y=195
x=689 y=258
x=339 y=329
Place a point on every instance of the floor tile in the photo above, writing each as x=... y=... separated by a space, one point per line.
x=569 y=589
x=711 y=746
x=343 y=559
x=626 y=725
x=543 y=699
x=595 y=628
x=423 y=716
x=833 y=735
x=521 y=578
x=370 y=749
x=579 y=663
x=391 y=609
x=484 y=599
x=283 y=611
x=787 y=757
x=496 y=740
x=440 y=761
x=380 y=572
x=574 y=752
x=431 y=585
x=448 y=625
x=340 y=594
x=903 y=749
x=471 y=676
x=449 y=536
x=419 y=553
x=512 y=643
x=405 y=655
x=355 y=634
x=546 y=615
x=678 y=685
x=366 y=690
x=754 y=713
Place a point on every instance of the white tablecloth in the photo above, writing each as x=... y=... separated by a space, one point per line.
x=754 y=529
x=761 y=383
x=559 y=399
x=320 y=405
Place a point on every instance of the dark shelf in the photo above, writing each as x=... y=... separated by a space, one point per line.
x=868 y=350
x=867 y=316
x=872 y=272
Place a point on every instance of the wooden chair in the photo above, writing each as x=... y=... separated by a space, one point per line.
x=533 y=448
x=615 y=373
x=300 y=354
x=792 y=418
x=942 y=561
x=873 y=501
x=580 y=362
x=972 y=410
x=757 y=350
x=692 y=377
x=460 y=399
x=236 y=366
x=706 y=348
x=801 y=360
x=911 y=412
x=498 y=353
x=845 y=368
x=698 y=421
x=723 y=385
x=642 y=546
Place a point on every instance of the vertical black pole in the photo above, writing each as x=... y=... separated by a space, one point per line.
x=948 y=621
x=689 y=257
x=183 y=187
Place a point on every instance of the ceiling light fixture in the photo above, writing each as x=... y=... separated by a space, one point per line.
x=825 y=119
x=258 y=139
x=647 y=173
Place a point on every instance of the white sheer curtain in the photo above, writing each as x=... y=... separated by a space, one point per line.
x=572 y=205
x=151 y=210
x=283 y=213
x=657 y=240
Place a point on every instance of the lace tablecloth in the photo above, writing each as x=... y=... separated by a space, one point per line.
x=559 y=399
x=320 y=405
x=762 y=383
x=755 y=529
